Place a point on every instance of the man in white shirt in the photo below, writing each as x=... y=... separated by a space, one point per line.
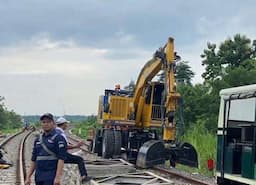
x=62 y=125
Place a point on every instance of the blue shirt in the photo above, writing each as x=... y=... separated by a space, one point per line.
x=46 y=169
x=61 y=132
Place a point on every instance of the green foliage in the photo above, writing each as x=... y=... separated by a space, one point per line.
x=212 y=62
x=232 y=54
x=183 y=73
x=81 y=128
x=8 y=119
x=199 y=104
x=10 y=131
x=240 y=76
x=232 y=64
x=205 y=144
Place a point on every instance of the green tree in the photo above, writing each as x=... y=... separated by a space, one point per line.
x=211 y=60
x=14 y=120
x=183 y=73
x=3 y=117
x=199 y=104
x=232 y=53
x=235 y=52
x=233 y=64
x=8 y=119
x=240 y=76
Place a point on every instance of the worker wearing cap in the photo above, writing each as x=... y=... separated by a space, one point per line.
x=62 y=125
x=48 y=154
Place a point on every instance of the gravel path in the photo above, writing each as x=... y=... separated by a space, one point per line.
x=70 y=175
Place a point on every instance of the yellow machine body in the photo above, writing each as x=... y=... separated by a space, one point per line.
x=140 y=109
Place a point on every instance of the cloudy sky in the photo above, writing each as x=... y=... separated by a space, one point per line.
x=59 y=56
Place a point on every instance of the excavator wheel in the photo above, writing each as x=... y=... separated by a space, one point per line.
x=90 y=146
x=108 y=143
x=118 y=142
x=96 y=143
x=150 y=154
x=125 y=135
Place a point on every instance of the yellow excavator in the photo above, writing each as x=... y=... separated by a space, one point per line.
x=140 y=125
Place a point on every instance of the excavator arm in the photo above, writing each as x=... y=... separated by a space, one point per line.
x=147 y=73
x=164 y=59
x=155 y=152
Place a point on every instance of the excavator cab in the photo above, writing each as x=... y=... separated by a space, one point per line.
x=151 y=114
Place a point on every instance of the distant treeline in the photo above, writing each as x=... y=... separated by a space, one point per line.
x=31 y=119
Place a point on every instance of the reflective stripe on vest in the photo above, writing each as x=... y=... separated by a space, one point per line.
x=46 y=158
x=54 y=136
x=45 y=147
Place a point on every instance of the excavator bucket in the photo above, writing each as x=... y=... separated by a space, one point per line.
x=151 y=153
x=4 y=164
x=186 y=155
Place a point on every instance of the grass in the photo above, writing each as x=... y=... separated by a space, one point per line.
x=81 y=129
x=205 y=144
x=9 y=131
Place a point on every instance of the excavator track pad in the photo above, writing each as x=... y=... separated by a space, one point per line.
x=186 y=154
x=150 y=154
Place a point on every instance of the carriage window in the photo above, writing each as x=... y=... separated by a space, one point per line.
x=242 y=110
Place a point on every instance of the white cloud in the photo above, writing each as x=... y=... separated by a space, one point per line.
x=52 y=65
x=52 y=76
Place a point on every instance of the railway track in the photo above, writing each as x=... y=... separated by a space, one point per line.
x=185 y=178
x=174 y=176
x=15 y=153
x=113 y=171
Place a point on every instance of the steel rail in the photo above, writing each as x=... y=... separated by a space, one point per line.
x=5 y=141
x=21 y=165
x=191 y=180
x=20 y=176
